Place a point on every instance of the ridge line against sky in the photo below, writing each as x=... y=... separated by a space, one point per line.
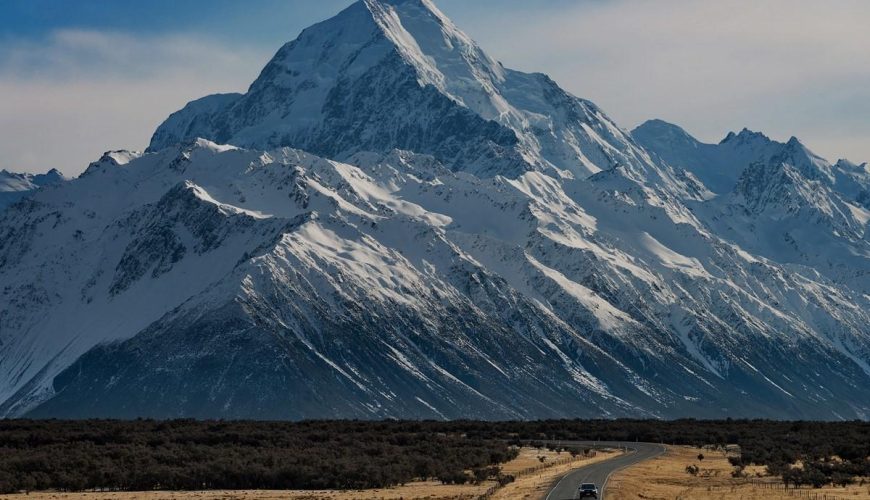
x=80 y=77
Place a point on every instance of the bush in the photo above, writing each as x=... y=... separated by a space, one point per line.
x=453 y=477
x=195 y=455
x=841 y=479
x=481 y=474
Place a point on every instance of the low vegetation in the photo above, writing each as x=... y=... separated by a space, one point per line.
x=191 y=455
x=194 y=455
x=829 y=452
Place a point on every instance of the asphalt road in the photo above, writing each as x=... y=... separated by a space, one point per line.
x=598 y=473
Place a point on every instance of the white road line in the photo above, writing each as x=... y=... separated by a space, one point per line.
x=554 y=488
x=607 y=479
x=566 y=476
x=658 y=451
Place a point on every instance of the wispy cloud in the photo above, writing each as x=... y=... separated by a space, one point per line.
x=68 y=98
x=789 y=67
x=786 y=67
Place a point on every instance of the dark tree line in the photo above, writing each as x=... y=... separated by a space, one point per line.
x=831 y=452
x=194 y=455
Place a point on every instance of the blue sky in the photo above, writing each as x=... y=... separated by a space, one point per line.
x=78 y=77
x=253 y=22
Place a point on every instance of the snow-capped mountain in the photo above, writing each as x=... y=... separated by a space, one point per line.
x=779 y=200
x=391 y=74
x=391 y=224
x=15 y=186
x=720 y=166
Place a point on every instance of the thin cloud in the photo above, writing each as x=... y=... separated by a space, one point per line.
x=784 y=66
x=79 y=93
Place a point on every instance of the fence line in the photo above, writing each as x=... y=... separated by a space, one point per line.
x=795 y=491
x=805 y=493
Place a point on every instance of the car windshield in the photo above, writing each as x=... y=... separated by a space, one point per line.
x=587 y=487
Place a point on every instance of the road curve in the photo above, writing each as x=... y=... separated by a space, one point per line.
x=566 y=487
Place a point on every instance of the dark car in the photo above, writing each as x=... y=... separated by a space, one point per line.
x=587 y=490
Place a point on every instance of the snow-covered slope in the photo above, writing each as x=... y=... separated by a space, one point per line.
x=243 y=283
x=15 y=186
x=720 y=166
x=779 y=200
x=387 y=74
x=462 y=240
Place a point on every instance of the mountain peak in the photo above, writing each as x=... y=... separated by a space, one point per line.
x=720 y=166
x=745 y=136
x=397 y=3
x=850 y=166
x=15 y=186
x=847 y=164
x=398 y=74
x=405 y=9
x=662 y=130
x=794 y=142
x=15 y=181
x=658 y=136
x=441 y=52
x=111 y=159
x=808 y=163
x=53 y=176
x=384 y=52
x=795 y=148
x=659 y=125
x=425 y=6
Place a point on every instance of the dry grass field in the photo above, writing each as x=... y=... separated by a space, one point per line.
x=529 y=486
x=419 y=490
x=665 y=478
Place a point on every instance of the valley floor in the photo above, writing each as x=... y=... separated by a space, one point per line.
x=533 y=479
x=665 y=478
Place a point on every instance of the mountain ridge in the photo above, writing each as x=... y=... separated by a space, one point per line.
x=780 y=200
x=415 y=255
x=16 y=186
x=720 y=165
